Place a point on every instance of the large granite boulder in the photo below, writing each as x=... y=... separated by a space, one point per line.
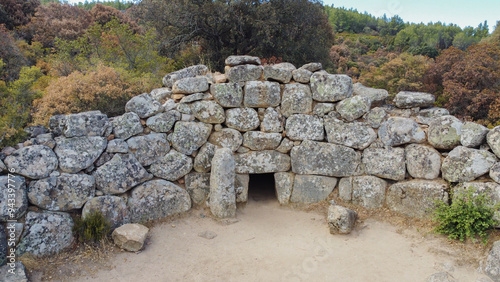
x=242 y=119
x=466 y=164
x=278 y=73
x=242 y=60
x=190 y=136
x=92 y=123
x=79 y=153
x=18 y=274
x=46 y=233
x=445 y=132
x=241 y=182
x=297 y=99
x=117 y=146
x=148 y=148
x=127 y=125
x=228 y=95
x=227 y=138
x=262 y=94
x=386 y=163
x=325 y=159
x=284 y=184
x=407 y=100
x=398 y=130
x=493 y=139
x=18 y=186
x=35 y=162
x=198 y=186
x=357 y=135
x=62 y=193
x=120 y=174
x=376 y=96
x=425 y=116
x=193 y=71
x=157 y=199
x=258 y=141
x=242 y=73
x=416 y=198
x=144 y=106
x=161 y=94
x=367 y=191
x=57 y=124
x=312 y=188
x=172 y=166
x=312 y=67
x=302 y=127
x=163 y=122
x=375 y=117
x=208 y=112
x=113 y=209
x=203 y=160
x=327 y=87
x=422 y=161
x=272 y=121
x=302 y=75
x=190 y=85
x=354 y=107
x=341 y=220
x=266 y=161
x=492 y=264
x=222 y=177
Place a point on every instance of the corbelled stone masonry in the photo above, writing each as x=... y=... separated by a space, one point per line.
x=197 y=140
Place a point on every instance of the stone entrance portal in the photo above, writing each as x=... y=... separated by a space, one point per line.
x=262 y=187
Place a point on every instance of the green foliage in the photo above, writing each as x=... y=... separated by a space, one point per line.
x=470 y=215
x=119 y=5
x=92 y=228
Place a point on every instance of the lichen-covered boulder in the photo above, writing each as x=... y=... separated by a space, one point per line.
x=193 y=71
x=190 y=136
x=242 y=73
x=241 y=182
x=144 y=106
x=190 y=85
x=62 y=193
x=228 y=95
x=113 y=209
x=416 y=198
x=407 y=100
x=57 y=124
x=357 y=135
x=262 y=94
x=327 y=87
x=195 y=97
x=46 y=233
x=398 y=130
x=18 y=186
x=203 y=160
x=422 y=161
x=312 y=188
x=92 y=123
x=267 y=161
x=285 y=146
x=19 y=274
x=198 y=186
x=473 y=134
x=208 y=112
x=493 y=139
x=161 y=94
x=117 y=146
x=375 y=96
x=172 y=166
x=79 y=153
x=301 y=75
x=227 y=138
x=466 y=164
x=312 y=67
x=367 y=191
x=157 y=199
x=322 y=109
x=272 y=122
x=258 y=141
x=284 y=184
x=148 y=148
x=163 y=122
x=375 y=117
x=492 y=264
x=425 y=116
x=297 y=99
x=385 y=163
x=120 y=174
x=242 y=119
x=130 y=237
x=302 y=127
x=45 y=139
x=325 y=159
x=491 y=190
x=444 y=132
x=35 y=162
x=354 y=107
x=127 y=125
x=341 y=220
x=242 y=60
x=222 y=192
x=281 y=74
x=495 y=172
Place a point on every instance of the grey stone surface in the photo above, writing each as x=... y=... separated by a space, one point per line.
x=466 y=164
x=407 y=100
x=473 y=134
x=312 y=67
x=493 y=140
x=398 y=130
x=492 y=264
x=203 y=160
x=113 y=208
x=272 y=121
x=301 y=75
x=241 y=182
x=148 y=149
x=92 y=123
x=357 y=135
x=297 y=99
x=144 y=106
x=228 y=95
x=157 y=199
x=444 y=132
x=190 y=85
x=130 y=237
x=35 y=162
x=375 y=96
x=46 y=233
x=45 y=139
x=353 y=108
x=267 y=161
x=367 y=191
x=312 y=188
x=62 y=193
x=163 y=122
x=416 y=198
x=422 y=161
x=261 y=94
x=385 y=163
x=285 y=146
x=302 y=127
x=495 y=172
x=57 y=124
x=242 y=60
x=227 y=138
x=341 y=220
x=330 y=87
x=277 y=73
x=284 y=185
x=120 y=174
x=190 y=136
x=117 y=146
x=441 y=277
x=18 y=185
x=195 y=97
x=161 y=94
x=77 y=153
x=321 y=109
x=242 y=119
x=258 y=141
x=193 y=71
x=375 y=117
x=325 y=159
x=19 y=274
x=127 y=125
x=208 y=112
x=242 y=73
x=172 y=166
x=222 y=187
x=198 y=186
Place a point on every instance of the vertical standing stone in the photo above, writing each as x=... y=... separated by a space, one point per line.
x=222 y=193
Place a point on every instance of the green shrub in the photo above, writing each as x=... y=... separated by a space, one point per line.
x=470 y=215
x=91 y=228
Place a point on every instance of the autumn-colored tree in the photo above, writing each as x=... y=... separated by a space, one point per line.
x=14 y=13
x=102 y=15
x=11 y=56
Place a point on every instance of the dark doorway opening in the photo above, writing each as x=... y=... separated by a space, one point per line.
x=262 y=187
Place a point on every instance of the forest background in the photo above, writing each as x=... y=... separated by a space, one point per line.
x=57 y=58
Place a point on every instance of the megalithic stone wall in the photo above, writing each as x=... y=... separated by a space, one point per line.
x=317 y=132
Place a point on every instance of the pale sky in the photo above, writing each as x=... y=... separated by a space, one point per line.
x=461 y=12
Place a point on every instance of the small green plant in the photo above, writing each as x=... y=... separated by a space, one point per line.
x=470 y=215
x=91 y=228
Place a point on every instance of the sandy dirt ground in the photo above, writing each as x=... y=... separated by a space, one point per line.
x=273 y=243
